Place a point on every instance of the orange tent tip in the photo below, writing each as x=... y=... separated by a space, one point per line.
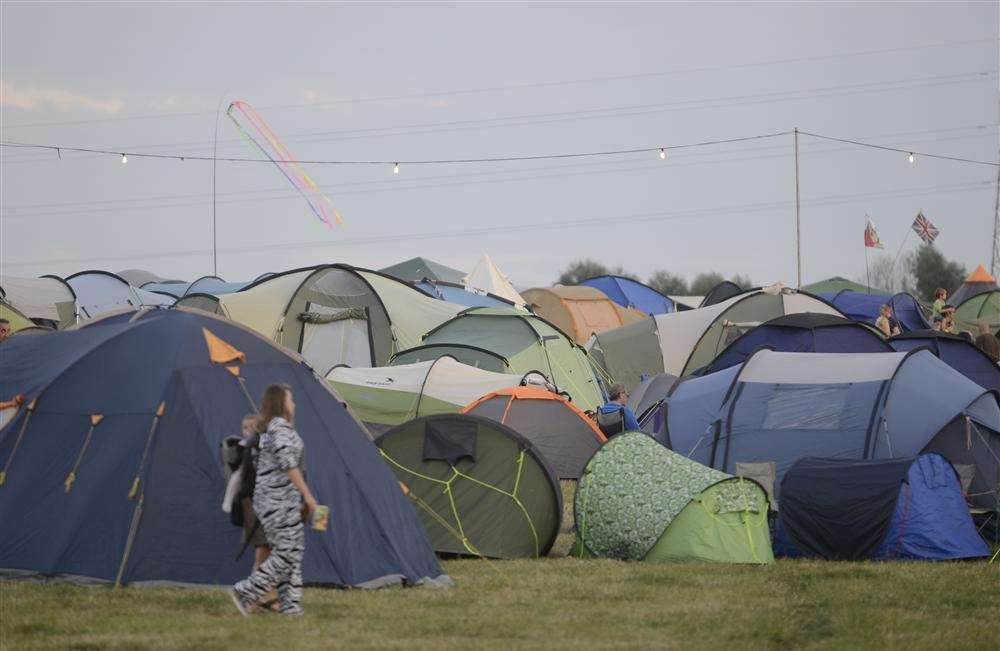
x=220 y=351
x=235 y=370
x=980 y=275
x=95 y=419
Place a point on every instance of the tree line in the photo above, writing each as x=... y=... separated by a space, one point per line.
x=665 y=282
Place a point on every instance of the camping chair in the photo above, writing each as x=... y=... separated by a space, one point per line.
x=762 y=472
x=985 y=516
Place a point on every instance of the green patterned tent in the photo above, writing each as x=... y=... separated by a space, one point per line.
x=638 y=500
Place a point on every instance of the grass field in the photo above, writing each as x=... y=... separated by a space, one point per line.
x=550 y=603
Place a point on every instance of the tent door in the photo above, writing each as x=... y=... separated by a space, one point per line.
x=345 y=340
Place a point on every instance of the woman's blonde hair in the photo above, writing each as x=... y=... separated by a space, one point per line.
x=272 y=405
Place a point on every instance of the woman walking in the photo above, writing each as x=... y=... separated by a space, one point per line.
x=278 y=496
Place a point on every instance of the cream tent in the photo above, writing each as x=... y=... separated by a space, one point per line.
x=579 y=310
x=680 y=343
x=98 y=292
x=48 y=299
x=487 y=277
x=333 y=314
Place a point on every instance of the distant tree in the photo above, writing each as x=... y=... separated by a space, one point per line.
x=581 y=270
x=620 y=271
x=930 y=270
x=887 y=276
x=704 y=282
x=668 y=283
x=743 y=281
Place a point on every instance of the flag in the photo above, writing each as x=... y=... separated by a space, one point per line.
x=925 y=229
x=871 y=237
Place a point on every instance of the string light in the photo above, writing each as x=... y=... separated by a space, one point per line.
x=911 y=158
x=395 y=168
x=663 y=154
x=124 y=159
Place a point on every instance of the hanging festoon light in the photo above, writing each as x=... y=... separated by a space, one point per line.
x=395 y=168
x=663 y=154
x=124 y=159
x=911 y=158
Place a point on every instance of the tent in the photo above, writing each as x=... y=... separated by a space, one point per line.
x=487 y=277
x=956 y=351
x=416 y=269
x=683 y=342
x=836 y=284
x=98 y=292
x=981 y=307
x=512 y=341
x=481 y=488
x=565 y=436
x=978 y=282
x=462 y=295
x=390 y=395
x=722 y=292
x=650 y=391
x=776 y=407
x=864 y=308
x=632 y=294
x=579 y=311
x=333 y=314
x=204 y=285
x=910 y=507
x=802 y=333
x=112 y=471
x=139 y=277
x=47 y=300
x=17 y=320
x=639 y=501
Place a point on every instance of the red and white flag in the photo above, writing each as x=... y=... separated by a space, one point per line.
x=871 y=237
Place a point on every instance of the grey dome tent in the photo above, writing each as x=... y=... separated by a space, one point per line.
x=481 y=489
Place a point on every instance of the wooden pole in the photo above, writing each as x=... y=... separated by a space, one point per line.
x=798 y=223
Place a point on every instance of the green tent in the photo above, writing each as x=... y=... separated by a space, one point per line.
x=510 y=341
x=17 y=320
x=836 y=284
x=637 y=500
x=479 y=487
x=417 y=269
x=981 y=307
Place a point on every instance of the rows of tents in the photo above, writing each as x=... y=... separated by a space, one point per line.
x=448 y=413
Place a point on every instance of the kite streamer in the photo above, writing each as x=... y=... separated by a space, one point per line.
x=275 y=151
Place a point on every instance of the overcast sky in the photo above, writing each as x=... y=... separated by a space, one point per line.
x=433 y=81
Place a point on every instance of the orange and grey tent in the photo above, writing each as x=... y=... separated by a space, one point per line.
x=579 y=310
x=556 y=427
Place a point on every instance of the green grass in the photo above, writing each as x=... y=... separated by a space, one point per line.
x=550 y=603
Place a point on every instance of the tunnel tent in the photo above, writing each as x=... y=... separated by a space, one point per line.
x=802 y=333
x=481 y=489
x=513 y=341
x=976 y=283
x=578 y=310
x=461 y=295
x=389 y=395
x=903 y=508
x=48 y=300
x=723 y=291
x=98 y=292
x=416 y=269
x=956 y=351
x=639 y=501
x=777 y=407
x=112 y=471
x=683 y=342
x=564 y=435
x=865 y=308
x=631 y=293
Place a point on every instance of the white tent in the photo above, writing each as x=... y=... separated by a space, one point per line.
x=102 y=291
x=47 y=298
x=487 y=277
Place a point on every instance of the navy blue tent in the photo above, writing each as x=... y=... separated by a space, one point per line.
x=802 y=333
x=956 y=351
x=865 y=307
x=631 y=293
x=112 y=468
x=778 y=407
x=724 y=291
x=910 y=508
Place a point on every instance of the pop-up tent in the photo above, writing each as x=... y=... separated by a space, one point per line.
x=632 y=294
x=111 y=465
x=579 y=310
x=390 y=395
x=512 y=341
x=976 y=283
x=956 y=351
x=332 y=314
x=47 y=300
x=865 y=308
x=416 y=269
x=910 y=507
x=683 y=342
x=98 y=292
x=802 y=333
x=480 y=487
x=565 y=436
x=637 y=501
x=778 y=407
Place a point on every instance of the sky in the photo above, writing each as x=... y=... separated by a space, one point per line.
x=415 y=81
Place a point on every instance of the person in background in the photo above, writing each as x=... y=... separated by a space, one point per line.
x=616 y=416
x=278 y=496
x=5 y=330
x=937 y=309
x=885 y=323
x=988 y=342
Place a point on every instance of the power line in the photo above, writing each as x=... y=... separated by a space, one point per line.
x=911 y=152
x=530 y=85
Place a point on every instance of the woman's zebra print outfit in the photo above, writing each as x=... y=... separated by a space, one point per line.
x=277 y=502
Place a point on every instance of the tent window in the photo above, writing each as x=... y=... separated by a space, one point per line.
x=810 y=406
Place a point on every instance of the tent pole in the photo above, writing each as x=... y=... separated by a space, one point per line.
x=798 y=232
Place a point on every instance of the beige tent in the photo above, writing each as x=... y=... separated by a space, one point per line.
x=48 y=300
x=579 y=310
x=487 y=277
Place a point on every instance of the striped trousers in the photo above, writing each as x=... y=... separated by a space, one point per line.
x=285 y=533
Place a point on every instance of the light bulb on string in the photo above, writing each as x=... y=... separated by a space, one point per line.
x=663 y=154
x=395 y=168
x=124 y=159
x=911 y=158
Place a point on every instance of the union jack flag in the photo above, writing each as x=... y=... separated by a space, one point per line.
x=925 y=229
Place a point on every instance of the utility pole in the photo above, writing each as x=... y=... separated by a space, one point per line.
x=996 y=229
x=798 y=223
x=215 y=154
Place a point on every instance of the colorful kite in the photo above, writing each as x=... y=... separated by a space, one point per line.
x=241 y=113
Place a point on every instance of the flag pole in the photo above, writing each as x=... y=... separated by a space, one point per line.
x=868 y=276
x=798 y=231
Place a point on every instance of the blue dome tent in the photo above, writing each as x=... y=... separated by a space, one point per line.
x=631 y=293
x=865 y=307
x=955 y=351
x=460 y=295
